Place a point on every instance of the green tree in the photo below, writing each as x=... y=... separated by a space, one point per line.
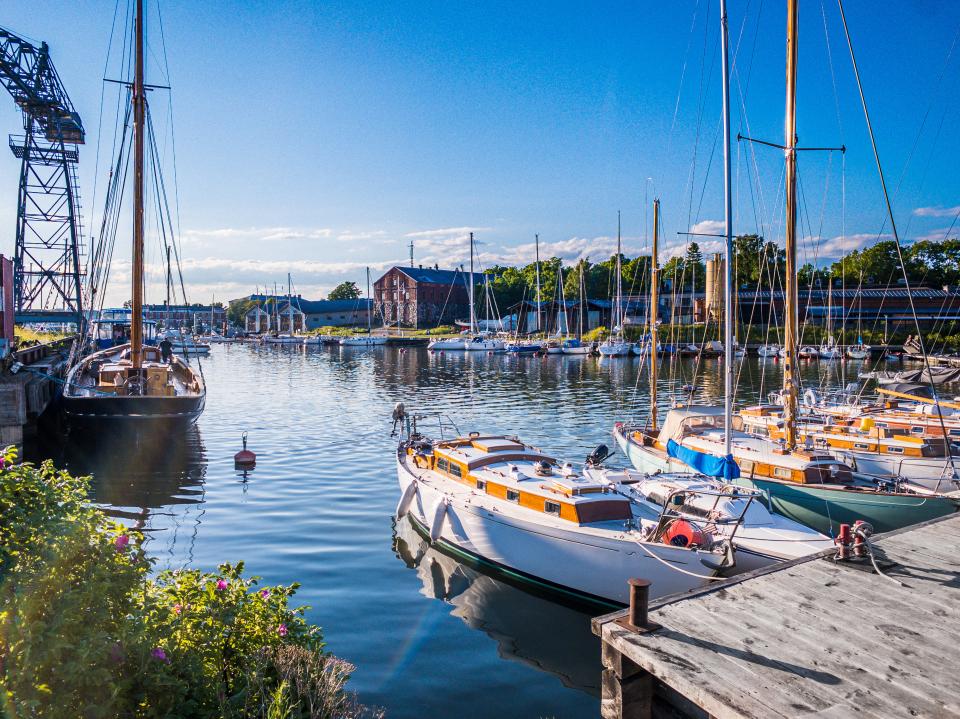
x=237 y=310
x=345 y=291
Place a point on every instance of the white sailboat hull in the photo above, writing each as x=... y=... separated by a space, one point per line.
x=365 y=341
x=586 y=563
x=616 y=349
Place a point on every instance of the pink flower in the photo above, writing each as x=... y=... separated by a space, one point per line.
x=177 y=608
x=282 y=630
x=121 y=542
x=222 y=584
x=159 y=654
x=3 y=462
x=264 y=593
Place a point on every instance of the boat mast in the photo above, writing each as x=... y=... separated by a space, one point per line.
x=369 y=318
x=583 y=298
x=619 y=297
x=290 y=304
x=473 y=312
x=791 y=300
x=536 y=241
x=728 y=231
x=654 y=287
x=139 y=126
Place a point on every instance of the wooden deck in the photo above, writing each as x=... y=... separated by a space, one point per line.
x=810 y=637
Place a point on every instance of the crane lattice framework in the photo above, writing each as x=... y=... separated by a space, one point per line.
x=48 y=278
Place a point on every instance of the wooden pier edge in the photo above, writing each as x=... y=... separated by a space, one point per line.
x=631 y=691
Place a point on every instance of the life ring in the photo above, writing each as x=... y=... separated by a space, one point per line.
x=811 y=398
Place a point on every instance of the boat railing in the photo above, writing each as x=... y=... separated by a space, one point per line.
x=675 y=507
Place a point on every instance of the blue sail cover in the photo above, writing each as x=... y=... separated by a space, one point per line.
x=725 y=467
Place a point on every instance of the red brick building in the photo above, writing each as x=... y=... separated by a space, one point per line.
x=422 y=296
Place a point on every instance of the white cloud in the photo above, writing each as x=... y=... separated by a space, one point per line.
x=256 y=234
x=835 y=247
x=708 y=227
x=937 y=211
x=448 y=232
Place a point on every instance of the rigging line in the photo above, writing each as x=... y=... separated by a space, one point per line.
x=893 y=224
x=683 y=72
x=103 y=93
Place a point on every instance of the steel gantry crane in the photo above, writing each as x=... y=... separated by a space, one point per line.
x=47 y=271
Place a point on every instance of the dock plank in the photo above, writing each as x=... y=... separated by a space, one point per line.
x=815 y=637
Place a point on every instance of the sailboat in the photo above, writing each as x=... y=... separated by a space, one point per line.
x=575 y=345
x=290 y=337
x=130 y=384
x=507 y=505
x=369 y=339
x=805 y=484
x=615 y=345
x=470 y=340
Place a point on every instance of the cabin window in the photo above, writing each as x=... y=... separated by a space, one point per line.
x=455 y=470
x=895 y=450
x=882 y=425
x=443 y=465
x=860 y=445
x=916 y=430
x=551 y=507
x=513 y=495
x=482 y=485
x=746 y=465
x=782 y=472
x=954 y=432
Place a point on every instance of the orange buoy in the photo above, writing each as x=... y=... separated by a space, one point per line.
x=245 y=458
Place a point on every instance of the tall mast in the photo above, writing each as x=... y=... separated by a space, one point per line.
x=654 y=287
x=369 y=318
x=536 y=241
x=728 y=221
x=139 y=106
x=290 y=303
x=583 y=298
x=473 y=312
x=790 y=304
x=619 y=297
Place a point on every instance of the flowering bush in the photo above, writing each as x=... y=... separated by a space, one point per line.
x=85 y=631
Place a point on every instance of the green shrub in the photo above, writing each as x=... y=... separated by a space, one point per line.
x=597 y=334
x=85 y=631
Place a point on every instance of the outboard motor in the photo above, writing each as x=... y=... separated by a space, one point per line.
x=598 y=456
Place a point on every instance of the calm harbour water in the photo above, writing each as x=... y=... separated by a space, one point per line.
x=429 y=637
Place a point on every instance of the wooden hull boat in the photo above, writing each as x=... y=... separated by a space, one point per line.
x=505 y=504
x=761 y=537
x=103 y=388
x=812 y=488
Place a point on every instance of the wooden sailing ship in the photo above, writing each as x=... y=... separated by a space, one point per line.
x=131 y=383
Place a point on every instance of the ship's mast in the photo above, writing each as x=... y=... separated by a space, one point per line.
x=536 y=241
x=139 y=126
x=473 y=312
x=654 y=287
x=728 y=223
x=790 y=303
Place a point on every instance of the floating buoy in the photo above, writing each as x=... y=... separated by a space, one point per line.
x=245 y=458
x=682 y=533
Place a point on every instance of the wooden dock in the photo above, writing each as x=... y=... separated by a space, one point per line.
x=29 y=383
x=808 y=637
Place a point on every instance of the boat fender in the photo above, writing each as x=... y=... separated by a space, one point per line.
x=403 y=506
x=681 y=533
x=439 y=514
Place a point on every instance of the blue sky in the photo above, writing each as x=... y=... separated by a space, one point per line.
x=317 y=138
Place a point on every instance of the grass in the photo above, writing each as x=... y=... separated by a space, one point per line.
x=27 y=337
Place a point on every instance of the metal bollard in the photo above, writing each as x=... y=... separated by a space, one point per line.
x=637 y=618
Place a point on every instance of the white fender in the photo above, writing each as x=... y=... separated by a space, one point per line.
x=811 y=398
x=439 y=514
x=403 y=506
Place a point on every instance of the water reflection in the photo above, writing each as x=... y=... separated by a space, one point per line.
x=529 y=629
